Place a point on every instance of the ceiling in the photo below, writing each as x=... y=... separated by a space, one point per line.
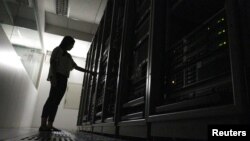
x=82 y=19
x=85 y=10
x=81 y=23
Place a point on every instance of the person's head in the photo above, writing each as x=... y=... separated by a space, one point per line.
x=67 y=43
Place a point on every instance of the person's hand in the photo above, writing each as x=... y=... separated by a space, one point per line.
x=53 y=81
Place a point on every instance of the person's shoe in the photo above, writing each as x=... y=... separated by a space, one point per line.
x=55 y=129
x=44 y=129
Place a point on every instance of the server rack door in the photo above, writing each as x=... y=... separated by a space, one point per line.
x=104 y=55
x=113 y=61
x=95 y=77
x=86 y=87
x=83 y=97
x=98 y=57
x=90 y=85
x=133 y=99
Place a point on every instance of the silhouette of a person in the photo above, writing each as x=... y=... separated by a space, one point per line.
x=61 y=63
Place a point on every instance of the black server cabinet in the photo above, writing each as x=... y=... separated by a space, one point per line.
x=92 y=83
x=83 y=111
x=85 y=90
x=245 y=42
x=100 y=91
x=113 y=61
x=97 y=99
x=81 y=116
x=133 y=101
x=97 y=44
x=106 y=91
x=133 y=69
x=86 y=109
x=103 y=66
x=195 y=76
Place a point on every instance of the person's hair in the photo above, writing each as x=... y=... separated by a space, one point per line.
x=67 y=40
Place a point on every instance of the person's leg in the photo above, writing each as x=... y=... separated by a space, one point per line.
x=54 y=111
x=43 y=122
x=49 y=103
x=61 y=88
x=47 y=109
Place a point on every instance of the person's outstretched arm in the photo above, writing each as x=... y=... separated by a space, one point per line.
x=83 y=70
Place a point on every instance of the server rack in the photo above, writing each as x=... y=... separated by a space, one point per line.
x=106 y=90
x=91 y=85
x=197 y=49
x=81 y=116
x=86 y=109
x=101 y=92
x=113 y=64
x=134 y=74
x=84 y=97
x=182 y=66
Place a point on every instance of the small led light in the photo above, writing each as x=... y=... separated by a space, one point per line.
x=224 y=30
x=208 y=28
x=224 y=43
x=173 y=82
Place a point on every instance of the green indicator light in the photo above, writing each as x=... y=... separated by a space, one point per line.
x=220 y=32
x=221 y=44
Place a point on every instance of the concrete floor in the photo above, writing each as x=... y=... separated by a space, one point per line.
x=32 y=134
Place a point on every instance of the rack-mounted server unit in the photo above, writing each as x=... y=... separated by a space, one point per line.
x=199 y=73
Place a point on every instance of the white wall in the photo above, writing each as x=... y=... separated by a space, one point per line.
x=17 y=92
x=65 y=118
